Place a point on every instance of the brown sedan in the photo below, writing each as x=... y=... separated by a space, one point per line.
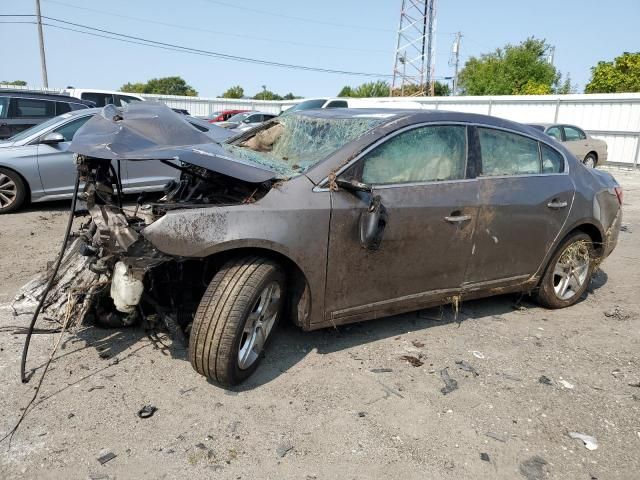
x=326 y=217
x=591 y=151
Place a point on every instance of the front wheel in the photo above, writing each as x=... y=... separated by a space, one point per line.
x=590 y=161
x=235 y=319
x=568 y=273
x=13 y=191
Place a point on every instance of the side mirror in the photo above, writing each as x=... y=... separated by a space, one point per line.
x=52 y=138
x=373 y=222
x=353 y=185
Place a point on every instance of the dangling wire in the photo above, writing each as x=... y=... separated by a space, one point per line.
x=52 y=279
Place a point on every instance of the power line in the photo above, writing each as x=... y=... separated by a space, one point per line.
x=215 y=32
x=165 y=45
x=301 y=19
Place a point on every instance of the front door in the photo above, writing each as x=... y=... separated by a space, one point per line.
x=576 y=141
x=55 y=161
x=525 y=198
x=420 y=176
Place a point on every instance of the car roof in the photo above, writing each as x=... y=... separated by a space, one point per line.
x=95 y=90
x=40 y=95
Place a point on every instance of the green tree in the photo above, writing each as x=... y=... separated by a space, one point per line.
x=234 y=92
x=512 y=70
x=267 y=95
x=441 y=89
x=163 y=86
x=346 y=91
x=621 y=75
x=17 y=83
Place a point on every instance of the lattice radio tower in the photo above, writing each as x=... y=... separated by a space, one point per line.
x=414 y=58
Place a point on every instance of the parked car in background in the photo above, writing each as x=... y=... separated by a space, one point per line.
x=104 y=97
x=590 y=151
x=22 y=109
x=342 y=102
x=35 y=165
x=289 y=220
x=246 y=120
x=223 y=115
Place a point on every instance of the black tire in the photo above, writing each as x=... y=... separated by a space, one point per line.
x=10 y=202
x=228 y=306
x=577 y=243
x=590 y=161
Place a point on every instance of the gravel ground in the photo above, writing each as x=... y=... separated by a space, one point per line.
x=338 y=403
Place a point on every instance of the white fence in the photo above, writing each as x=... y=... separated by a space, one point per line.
x=614 y=118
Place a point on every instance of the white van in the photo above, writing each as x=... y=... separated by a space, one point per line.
x=343 y=102
x=104 y=97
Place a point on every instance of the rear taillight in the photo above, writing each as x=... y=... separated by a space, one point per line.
x=619 y=194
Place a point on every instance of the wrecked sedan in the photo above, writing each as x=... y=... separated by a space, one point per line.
x=327 y=217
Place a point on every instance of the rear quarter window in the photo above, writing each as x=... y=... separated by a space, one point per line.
x=506 y=153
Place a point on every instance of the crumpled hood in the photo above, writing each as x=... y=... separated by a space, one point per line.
x=152 y=131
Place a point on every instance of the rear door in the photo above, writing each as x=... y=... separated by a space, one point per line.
x=420 y=175
x=525 y=198
x=55 y=162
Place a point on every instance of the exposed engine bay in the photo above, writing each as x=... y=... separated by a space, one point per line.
x=114 y=276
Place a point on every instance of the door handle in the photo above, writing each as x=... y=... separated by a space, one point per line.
x=556 y=205
x=457 y=218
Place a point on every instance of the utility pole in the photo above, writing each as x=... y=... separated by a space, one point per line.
x=43 y=60
x=455 y=53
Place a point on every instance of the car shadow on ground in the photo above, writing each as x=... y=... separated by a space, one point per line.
x=290 y=344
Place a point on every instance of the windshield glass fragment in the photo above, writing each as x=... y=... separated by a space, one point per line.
x=296 y=143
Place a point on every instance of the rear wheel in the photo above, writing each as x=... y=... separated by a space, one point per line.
x=235 y=319
x=590 y=160
x=568 y=273
x=13 y=191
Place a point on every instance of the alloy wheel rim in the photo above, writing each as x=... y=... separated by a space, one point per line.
x=571 y=270
x=589 y=162
x=8 y=191
x=259 y=324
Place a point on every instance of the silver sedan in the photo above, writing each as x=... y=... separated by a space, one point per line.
x=36 y=166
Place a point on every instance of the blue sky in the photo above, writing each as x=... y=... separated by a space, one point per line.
x=583 y=32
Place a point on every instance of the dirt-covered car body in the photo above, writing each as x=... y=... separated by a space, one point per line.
x=466 y=235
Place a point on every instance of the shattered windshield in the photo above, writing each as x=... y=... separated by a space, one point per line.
x=295 y=143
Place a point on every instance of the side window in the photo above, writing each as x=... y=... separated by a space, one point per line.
x=552 y=161
x=62 y=107
x=573 y=134
x=34 y=108
x=337 y=104
x=100 y=99
x=423 y=154
x=69 y=130
x=555 y=133
x=4 y=107
x=122 y=100
x=505 y=153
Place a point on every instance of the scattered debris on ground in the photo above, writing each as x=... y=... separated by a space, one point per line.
x=589 y=442
x=417 y=344
x=477 y=354
x=533 y=468
x=484 y=457
x=566 y=384
x=467 y=367
x=497 y=437
x=544 y=380
x=618 y=313
x=414 y=361
x=283 y=449
x=381 y=370
x=106 y=457
x=147 y=411
x=450 y=384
